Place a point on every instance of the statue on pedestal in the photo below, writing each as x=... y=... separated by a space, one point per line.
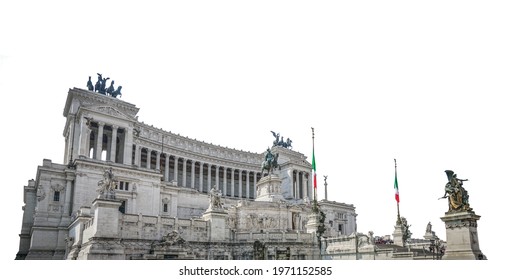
x=214 y=199
x=429 y=228
x=458 y=198
x=108 y=185
x=270 y=162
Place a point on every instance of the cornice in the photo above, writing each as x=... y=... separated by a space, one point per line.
x=88 y=98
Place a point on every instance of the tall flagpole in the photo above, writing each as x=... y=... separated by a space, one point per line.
x=399 y=221
x=315 y=171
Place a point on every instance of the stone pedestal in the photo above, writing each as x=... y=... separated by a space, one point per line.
x=313 y=223
x=462 y=236
x=398 y=235
x=269 y=189
x=106 y=217
x=219 y=230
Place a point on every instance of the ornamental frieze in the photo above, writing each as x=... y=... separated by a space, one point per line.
x=88 y=99
x=460 y=224
x=57 y=187
x=108 y=111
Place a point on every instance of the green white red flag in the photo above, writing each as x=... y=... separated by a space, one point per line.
x=314 y=169
x=397 y=197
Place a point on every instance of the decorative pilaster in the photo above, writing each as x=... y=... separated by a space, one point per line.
x=84 y=137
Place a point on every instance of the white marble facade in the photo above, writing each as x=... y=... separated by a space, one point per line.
x=164 y=181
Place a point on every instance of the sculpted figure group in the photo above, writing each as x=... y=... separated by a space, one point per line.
x=280 y=142
x=100 y=86
x=107 y=185
x=458 y=198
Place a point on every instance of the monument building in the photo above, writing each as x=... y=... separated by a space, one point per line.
x=128 y=190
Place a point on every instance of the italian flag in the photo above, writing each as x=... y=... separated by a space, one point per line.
x=397 y=198
x=314 y=170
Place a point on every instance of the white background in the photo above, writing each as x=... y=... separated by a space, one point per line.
x=425 y=82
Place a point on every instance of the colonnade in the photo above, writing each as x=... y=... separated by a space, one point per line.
x=103 y=141
x=235 y=182
x=202 y=176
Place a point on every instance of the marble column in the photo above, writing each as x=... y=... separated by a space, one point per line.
x=217 y=177
x=167 y=169
x=247 y=184
x=158 y=159
x=303 y=182
x=292 y=191
x=113 y=145
x=201 y=177
x=184 y=167
x=137 y=155
x=232 y=193
x=240 y=194
x=99 y=141
x=192 y=174
x=209 y=166
x=298 y=185
x=176 y=169
x=254 y=184
x=128 y=146
x=224 y=181
x=149 y=157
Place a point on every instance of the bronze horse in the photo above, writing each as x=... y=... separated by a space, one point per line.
x=269 y=165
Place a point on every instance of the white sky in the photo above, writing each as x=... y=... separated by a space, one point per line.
x=425 y=83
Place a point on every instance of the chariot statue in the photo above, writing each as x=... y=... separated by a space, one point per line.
x=279 y=141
